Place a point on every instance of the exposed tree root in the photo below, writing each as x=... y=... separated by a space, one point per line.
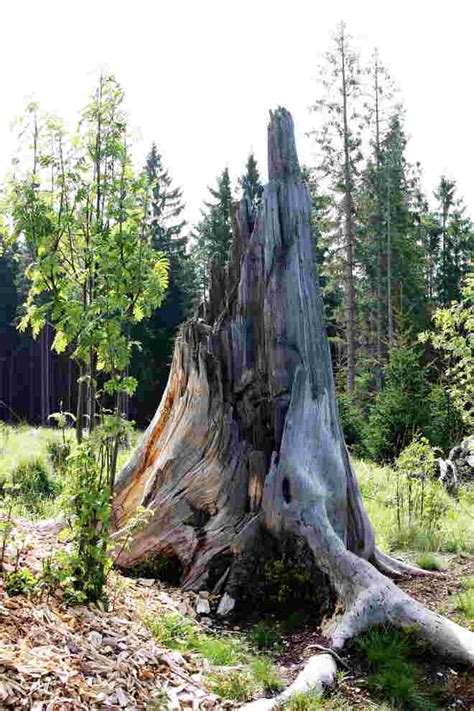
x=396 y=568
x=318 y=673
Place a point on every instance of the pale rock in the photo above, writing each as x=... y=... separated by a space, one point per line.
x=94 y=638
x=202 y=606
x=226 y=605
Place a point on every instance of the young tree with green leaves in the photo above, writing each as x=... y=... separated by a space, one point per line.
x=94 y=273
x=453 y=337
x=84 y=215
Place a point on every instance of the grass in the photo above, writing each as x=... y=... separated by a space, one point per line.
x=20 y=445
x=427 y=561
x=452 y=530
x=304 y=701
x=393 y=673
x=265 y=636
x=256 y=673
x=464 y=603
x=316 y=701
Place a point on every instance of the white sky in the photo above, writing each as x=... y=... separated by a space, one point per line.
x=200 y=76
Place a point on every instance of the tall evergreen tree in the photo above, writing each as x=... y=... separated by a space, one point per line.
x=455 y=243
x=339 y=140
x=251 y=184
x=406 y=299
x=213 y=234
x=157 y=334
x=381 y=104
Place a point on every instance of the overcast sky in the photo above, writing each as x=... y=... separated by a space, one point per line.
x=201 y=75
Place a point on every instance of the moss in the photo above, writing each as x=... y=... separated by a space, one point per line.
x=278 y=577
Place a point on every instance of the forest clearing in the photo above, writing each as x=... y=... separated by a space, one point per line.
x=236 y=448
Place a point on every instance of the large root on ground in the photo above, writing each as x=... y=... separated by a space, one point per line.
x=247 y=436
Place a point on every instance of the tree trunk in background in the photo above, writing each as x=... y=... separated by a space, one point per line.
x=379 y=238
x=246 y=445
x=349 y=235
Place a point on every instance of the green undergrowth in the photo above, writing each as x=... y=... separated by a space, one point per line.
x=394 y=671
x=447 y=527
x=427 y=561
x=461 y=605
x=30 y=467
x=28 y=471
x=240 y=672
x=316 y=701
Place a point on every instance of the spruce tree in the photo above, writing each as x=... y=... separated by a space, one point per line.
x=455 y=243
x=157 y=334
x=404 y=271
x=213 y=234
x=251 y=184
x=339 y=139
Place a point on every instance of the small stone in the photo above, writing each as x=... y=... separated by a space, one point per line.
x=226 y=605
x=202 y=606
x=94 y=638
x=110 y=641
x=146 y=582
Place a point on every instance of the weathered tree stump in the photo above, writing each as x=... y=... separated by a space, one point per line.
x=246 y=442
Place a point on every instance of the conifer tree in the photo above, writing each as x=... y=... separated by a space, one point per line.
x=251 y=184
x=156 y=335
x=339 y=139
x=455 y=242
x=213 y=233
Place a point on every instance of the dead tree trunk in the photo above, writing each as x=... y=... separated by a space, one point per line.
x=246 y=441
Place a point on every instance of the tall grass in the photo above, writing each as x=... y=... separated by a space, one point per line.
x=453 y=532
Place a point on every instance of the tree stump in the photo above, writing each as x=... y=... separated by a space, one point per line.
x=246 y=442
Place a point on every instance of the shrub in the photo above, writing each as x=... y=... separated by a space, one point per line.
x=444 y=427
x=89 y=504
x=20 y=582
x=32 y=483
x=58 y=452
